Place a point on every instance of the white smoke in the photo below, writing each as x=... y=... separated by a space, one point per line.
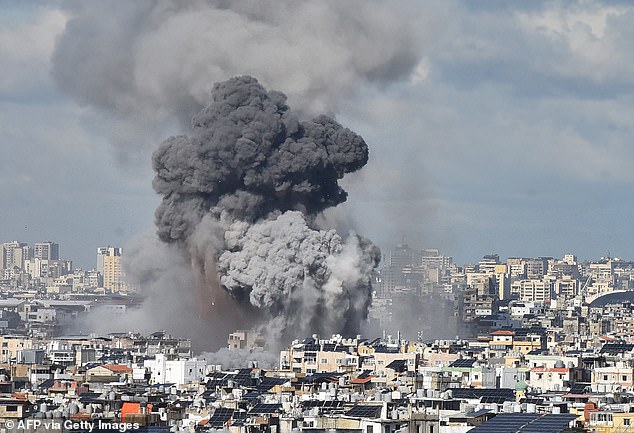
x=308 y=281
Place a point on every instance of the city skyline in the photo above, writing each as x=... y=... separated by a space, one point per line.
x=111 y=249
x=508 y=137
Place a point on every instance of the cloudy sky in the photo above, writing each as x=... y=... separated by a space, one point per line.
x=493 y=126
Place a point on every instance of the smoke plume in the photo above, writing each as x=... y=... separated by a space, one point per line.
x=145 y=68
x=148 y=62
x=240 y=195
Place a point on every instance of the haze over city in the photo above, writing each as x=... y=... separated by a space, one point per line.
x=491 y=126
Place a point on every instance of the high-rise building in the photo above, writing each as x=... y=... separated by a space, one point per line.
x=401 y=256
x=46 y=250
x=13 y=255
x=109 y=266
x=488 y=263
x=532 y=290
x=431 y=258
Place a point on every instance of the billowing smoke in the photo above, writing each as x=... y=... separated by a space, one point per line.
x=240 y=195
x=148 y=62
x=250 y=155
x=146 y=67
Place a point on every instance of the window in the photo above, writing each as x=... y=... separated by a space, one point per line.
x=324 y=360
x=624 y=378
x=12 y=408
x=370 y=429
x=605 y=377
x=626 y=421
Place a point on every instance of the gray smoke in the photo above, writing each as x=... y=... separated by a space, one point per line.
x=241 y=358
x=306 y=280
x=147 y=62
x=146 y=67
x=240 y=195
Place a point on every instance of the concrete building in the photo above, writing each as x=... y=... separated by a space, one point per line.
x=245 y=340
x=566 y=287
x=532 y=290
x=109 y=266
x=46 y=250
x=13 y=254
x=178 y=371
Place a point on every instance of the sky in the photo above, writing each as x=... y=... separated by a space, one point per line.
x=493 y=126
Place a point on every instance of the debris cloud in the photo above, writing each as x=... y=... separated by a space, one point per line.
x=240 y=198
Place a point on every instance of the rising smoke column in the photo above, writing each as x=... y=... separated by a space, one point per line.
x=240 y=195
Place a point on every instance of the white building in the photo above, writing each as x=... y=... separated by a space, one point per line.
x=179 y=371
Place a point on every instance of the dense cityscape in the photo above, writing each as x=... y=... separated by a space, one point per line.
x=236 y=180
x=450 y=348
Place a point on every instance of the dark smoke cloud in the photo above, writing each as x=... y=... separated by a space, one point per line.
x=250 y=155
x=243 y=190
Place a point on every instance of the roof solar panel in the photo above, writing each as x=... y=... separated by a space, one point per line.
x=364 y=374
x=265 y=408
x=579 y=388
x=507 y=394
x=269 y=382
x=532 y=400
x=549 y=423
x=496 y=400
x=311 y=348
x=463 y=393
x=397 y=365
x=526 y=423
x=365 y=411
x=463 y=363
x=614 y=348
x=220 y=417
x=325 y=404
x=505 y=423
